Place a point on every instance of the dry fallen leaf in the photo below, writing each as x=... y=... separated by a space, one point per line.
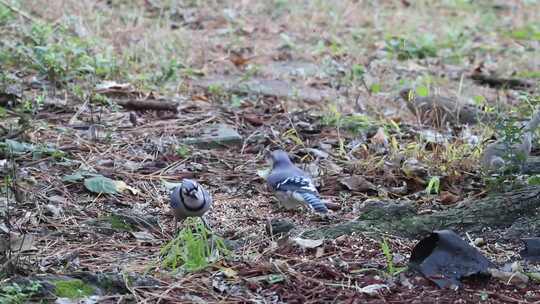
x=113 y=87
x=380 y=138
x=23 y=243
x=229 y=272
x=357 y=183
x=307 y=243
x=121 y=186
x=448 y=198
x=374 y=289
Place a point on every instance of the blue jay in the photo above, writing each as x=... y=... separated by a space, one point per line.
x=189 y=199
x=292 y=186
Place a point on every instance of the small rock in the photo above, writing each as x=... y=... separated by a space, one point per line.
x=215 y=136
x=479 y=242
x=54 y=210
x=404 y=281
x=307 y=243
x=398 y=258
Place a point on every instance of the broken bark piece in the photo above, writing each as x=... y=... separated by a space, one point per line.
x=154 y=105
x=444 y=258
x=496 y=211
x=506 y=83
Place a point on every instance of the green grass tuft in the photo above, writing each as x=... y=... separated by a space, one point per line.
x=72 y=289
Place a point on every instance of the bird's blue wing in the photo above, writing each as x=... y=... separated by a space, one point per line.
x=296 y=184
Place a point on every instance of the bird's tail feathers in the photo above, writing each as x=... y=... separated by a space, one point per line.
x=315 y=203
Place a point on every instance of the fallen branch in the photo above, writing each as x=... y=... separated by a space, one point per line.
x=496 y=82
x=155 y=105
x=496 y=211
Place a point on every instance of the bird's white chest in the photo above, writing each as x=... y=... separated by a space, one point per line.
x=289 y=200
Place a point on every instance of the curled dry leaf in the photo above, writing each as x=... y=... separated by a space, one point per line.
x=448 y=198
x=121 y=186
x=357 y=183
x=307 y=243
x=374 y=289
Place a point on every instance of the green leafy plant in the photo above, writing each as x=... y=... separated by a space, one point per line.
x=528 y=32
x=510 y=132
x=534 y=180
x=17 y=294
x=169 y=71
x=60 y=55
x=193 y=249
x=390 y=268
x=293 y=135
x=404 y=49
x=216 y=89
x=354 y=123
x=433 y=185
x=183 y=151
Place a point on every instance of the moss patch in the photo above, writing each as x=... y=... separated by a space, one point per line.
x=119 y=223
x=72 y=289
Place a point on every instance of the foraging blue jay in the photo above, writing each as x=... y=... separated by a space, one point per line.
x=189 y=199
x=292 y=186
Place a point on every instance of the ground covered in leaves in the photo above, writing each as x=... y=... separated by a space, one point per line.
x=103 y=104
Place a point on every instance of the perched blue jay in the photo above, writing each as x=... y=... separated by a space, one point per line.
x=189 y=199
x=292 y=186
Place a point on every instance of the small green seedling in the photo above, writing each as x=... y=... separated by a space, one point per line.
x=390 y=268
x=433 y=186
x=193 y=249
